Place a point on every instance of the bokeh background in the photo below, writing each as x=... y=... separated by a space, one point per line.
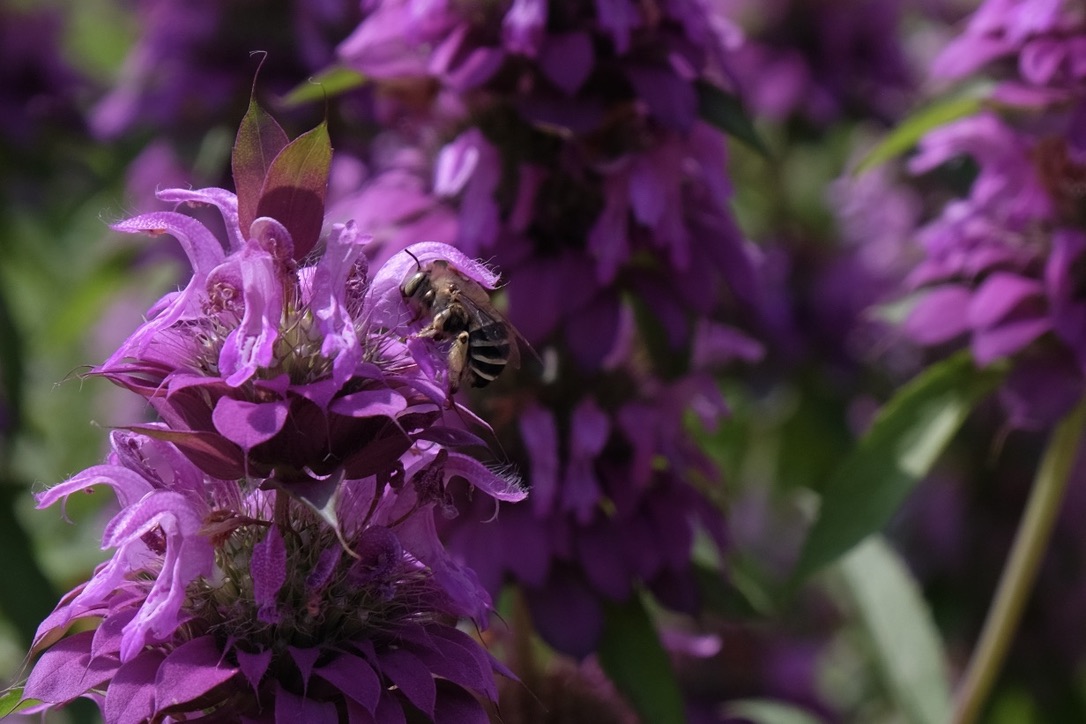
x=103 y=101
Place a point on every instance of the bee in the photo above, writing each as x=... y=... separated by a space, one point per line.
x=481 y=342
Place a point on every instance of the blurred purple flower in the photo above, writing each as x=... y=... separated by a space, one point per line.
x=38 y=87
x=229 y=600
x=566 y=138
x=1001 y=266
x=188 y=67
x=590 y=116
x=824 y=60
x=1043 y=37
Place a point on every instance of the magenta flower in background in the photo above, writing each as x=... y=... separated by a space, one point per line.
x=224 y=599
x=188 y=65
x=38 y=86
x=566 y=137
x=584 y=150
x=1000 y=265
x=823 y=61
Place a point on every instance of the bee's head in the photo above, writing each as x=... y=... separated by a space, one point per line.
x=411 y=286
x=413 y=283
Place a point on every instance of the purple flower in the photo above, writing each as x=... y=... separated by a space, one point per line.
x=590 y=115
x=821 y=61
x=37 y=85
x=277 y=361
x=1001 y=265
x=188 y=65
x=571 y=151
x=226 y=599
x=1044 y=37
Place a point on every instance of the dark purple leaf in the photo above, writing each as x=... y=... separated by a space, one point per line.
x=107 y=637
x=190 y=671
x=66 y=671
x=260 y=139
x=253 y=665
x=295 y=186
x=210 y=452
x=291 y=709
x=355 y=678
x=456 y=706
x=460 y=660
x=412 y=677
x=319 y=495
x=305 y=659
x=389 y=710
x=131 y=693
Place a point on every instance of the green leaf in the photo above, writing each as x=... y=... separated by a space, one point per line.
x=295 y=187
x=631 y=655
x=259 y=141
x=739 y=595
x=332 y=81
x=724 y=111
x=906 y=438
x=766 y=711
x=12 y=370
x=905 y=639
x=12 y=701
x=23 y=605
x=907 y=133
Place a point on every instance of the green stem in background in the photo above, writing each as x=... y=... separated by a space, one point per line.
x=1021 y=570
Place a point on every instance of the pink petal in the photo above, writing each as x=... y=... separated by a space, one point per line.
x=999 y=295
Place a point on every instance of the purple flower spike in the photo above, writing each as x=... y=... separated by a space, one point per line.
x=574 y=155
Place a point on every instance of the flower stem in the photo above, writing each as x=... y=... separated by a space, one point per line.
x=1021 y=570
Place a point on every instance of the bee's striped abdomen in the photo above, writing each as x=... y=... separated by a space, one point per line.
x=488 y=352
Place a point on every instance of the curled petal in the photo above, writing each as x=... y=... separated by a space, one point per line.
x=127 y=484
x=252 y=344
x=498 y=485
x=225 y=201
x=328 y=302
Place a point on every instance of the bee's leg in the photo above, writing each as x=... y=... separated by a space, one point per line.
x=458 y=363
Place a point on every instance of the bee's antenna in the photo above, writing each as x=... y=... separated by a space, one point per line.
x=417 y=262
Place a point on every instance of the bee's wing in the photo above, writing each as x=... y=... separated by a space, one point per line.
x=483 y=312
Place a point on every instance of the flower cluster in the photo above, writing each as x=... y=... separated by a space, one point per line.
x=566 y=141
x=1002 y=264
x=275 y=553
x=821 y=61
